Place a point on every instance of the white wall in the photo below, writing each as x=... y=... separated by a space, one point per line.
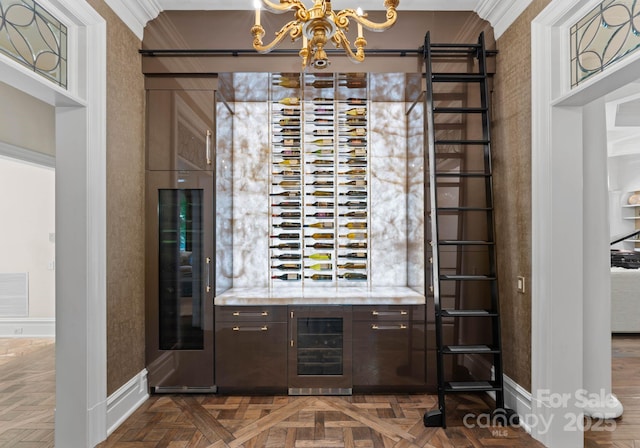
x=624 y=176
x=27 y=201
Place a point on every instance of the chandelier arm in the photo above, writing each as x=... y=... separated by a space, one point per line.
x=342 y=19
x=293 y=28
x=340 y=40
x=282 y=7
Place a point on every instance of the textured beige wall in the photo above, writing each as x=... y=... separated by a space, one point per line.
x=511 y=134
x=26 y=122
x=125 y=202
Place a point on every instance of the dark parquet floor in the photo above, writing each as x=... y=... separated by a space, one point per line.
x=27 y=391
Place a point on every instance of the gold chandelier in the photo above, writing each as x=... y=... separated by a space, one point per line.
x=317 y=25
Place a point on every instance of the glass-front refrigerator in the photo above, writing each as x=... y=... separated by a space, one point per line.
x=180 y=281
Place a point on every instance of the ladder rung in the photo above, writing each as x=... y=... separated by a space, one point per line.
x=457 y=77
x=447 y=45
x=471 y=386
x=463 y=209
x=468 y=349
x=449 y=155
x=465 y=243
x=461 y=142
x=467 y=277
x=459 y=110
x=468 y=313
x=467 y=174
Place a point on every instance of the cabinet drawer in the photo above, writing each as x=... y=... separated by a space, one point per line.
x=251 y=314
x=388 y=313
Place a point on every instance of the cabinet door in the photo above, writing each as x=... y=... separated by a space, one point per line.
x=251 y=356
x=179 y=289
x=180 y=126
x=389 y=354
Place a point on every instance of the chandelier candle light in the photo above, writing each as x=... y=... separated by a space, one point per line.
x=317 y=25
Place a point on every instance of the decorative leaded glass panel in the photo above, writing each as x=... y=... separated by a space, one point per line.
x=608 y=33
x=33 y=37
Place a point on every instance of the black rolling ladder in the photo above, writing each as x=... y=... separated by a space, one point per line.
x=462 y=251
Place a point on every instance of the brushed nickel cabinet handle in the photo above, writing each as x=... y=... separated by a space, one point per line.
x=208 y=262
x=208 y=147
x=237 y=328
x=257 y=314
x=388 y=327
x=388 y=313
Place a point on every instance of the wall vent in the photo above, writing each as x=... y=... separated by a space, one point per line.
x=14 y=295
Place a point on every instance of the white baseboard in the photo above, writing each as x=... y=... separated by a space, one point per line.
x=519 y=399
x=28 y=327
x=123 y=402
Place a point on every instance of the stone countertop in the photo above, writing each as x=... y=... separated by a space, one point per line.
x=384 y=295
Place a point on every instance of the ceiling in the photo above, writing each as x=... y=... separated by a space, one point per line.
x=623 y=120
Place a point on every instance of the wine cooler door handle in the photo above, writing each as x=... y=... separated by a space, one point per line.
x=262 y=328
x=388 y=327
x=389 y=313
x=208 y=262
x=208 y=147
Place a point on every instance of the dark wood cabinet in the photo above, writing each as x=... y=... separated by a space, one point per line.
x=251 y=349
x=389 y=348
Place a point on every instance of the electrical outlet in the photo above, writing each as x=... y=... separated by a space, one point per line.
x=521 y=284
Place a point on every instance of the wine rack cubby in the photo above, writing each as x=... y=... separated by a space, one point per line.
x=320 y=177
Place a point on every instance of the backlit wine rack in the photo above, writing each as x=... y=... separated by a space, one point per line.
x=319 y=228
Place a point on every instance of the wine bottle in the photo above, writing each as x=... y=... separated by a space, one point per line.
x=290 y=101
x=356 y=111
x=290 y=132
x=287 y=82
x=354 y=172
x=320 y=277
x=355 y=183
x=322 y=236
x=323 y=132
x=321 y=215
x=288 y=183
x=287 y=257
x=293 y=112
x=328 y=194
x=287 y=173
x=356 y=121
x=355 y=193
x=322 y=173
x=356 y=132
x=354 y=142
x=320 y=267
x=285 y=246
x=289 y=194
x=356 y=101
x=319 y=256
x=286 y=236
x=289 y=154
x=354 y=204
x=289 y=122
x=354 y=255
x=291 y=162
x=321 y=225
x=321 y=84
x=360 y=162
x=353 y=276
x=321 y=204
x=288 y=225
x=356 y=214
x=322 y=142
x=320 y=100
x=322 y=183
x=322 y=152
x=358 y=245
x=290 y=142
x=287 y=277
x=323 y=111
x=321 y=245
x=354 y=225
x=354 y=236
x=287 y=204
x=353 y=266
x=355 y=83
x=288 y=267
x=288 y=215
x=360 y=152
x=322 y=122
x=321 y=162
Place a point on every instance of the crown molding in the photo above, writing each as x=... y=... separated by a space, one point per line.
x=501 y=13
x=135 y=13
